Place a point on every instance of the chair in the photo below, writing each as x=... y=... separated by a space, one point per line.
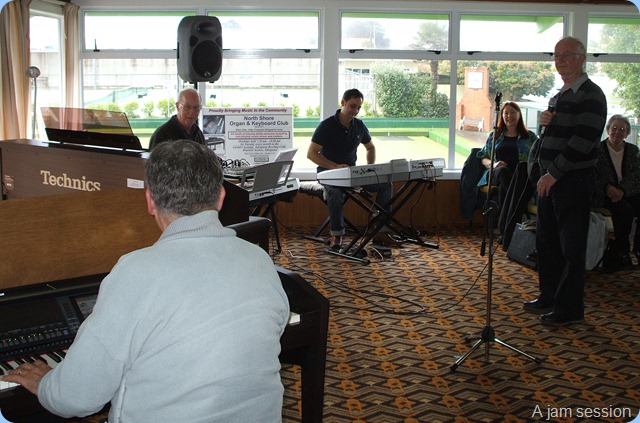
x=305 y=343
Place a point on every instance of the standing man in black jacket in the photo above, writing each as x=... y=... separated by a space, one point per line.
x=567 y=159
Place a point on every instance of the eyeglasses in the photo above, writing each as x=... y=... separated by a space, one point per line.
x=618 y=129
x=188 y=108
x=564 y=56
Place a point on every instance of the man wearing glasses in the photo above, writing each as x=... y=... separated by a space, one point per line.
x=183 y=125
x=567 y=157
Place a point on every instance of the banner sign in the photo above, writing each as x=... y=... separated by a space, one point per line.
x=254 y=134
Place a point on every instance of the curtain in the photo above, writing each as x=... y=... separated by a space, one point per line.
x=71 y=55
x=15 y=97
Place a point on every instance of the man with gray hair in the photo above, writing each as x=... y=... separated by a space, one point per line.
x=567 y=158
x=187 y=329
x=184 y=124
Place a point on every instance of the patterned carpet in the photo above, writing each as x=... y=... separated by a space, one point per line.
x=398 y=325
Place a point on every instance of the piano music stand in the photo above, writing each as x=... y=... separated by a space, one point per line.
x=383 y=218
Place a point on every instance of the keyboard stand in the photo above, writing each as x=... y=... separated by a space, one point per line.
x=383 y=218
x=266 y=207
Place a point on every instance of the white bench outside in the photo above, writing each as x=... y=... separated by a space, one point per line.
x=477 y=123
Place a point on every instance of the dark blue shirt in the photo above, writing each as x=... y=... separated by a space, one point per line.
x=340 y=144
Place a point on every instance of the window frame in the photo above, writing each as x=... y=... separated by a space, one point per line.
x=576 y=19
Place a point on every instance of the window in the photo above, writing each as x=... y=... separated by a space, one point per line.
x=269 y=30
x=46 y=55
x=145 y=89
x=614 y=35
x=529 y=84
x=425 y=52
x=499 y=33
x=394 y=31
x=615 y=44
x=406 y=105
x=143 y=30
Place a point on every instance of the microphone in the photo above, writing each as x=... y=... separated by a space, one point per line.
x=551 y=108
x=33 y=72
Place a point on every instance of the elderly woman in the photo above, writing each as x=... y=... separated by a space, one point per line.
x=618 y=188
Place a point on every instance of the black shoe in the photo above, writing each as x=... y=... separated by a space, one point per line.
x=615 y=262
x=336 y=242
x=625 y=262
x=554 y=319
x=537 y=306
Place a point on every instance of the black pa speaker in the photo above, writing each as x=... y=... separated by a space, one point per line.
x=199 y=49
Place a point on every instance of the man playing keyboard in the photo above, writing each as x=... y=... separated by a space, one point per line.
x=334 y=145
x=187 y=329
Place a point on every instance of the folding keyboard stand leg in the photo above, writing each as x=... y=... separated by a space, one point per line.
x=386 y=218
x=403 y=195
x=316 y=235
x=347 y=251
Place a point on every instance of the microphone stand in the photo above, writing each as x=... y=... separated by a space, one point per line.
x=490 y=209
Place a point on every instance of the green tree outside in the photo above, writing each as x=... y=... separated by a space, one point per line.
x=401 y=94
x=131 y=109
x=517 y=79
x=623 y=38
x=148 y=108
x=166 y=107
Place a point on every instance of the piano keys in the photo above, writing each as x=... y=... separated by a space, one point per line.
x=393 y=171
x=40 y=322
x=51 y=358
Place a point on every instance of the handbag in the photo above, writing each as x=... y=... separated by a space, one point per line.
x=596 y=240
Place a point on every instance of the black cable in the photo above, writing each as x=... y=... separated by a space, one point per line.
x=368 y=298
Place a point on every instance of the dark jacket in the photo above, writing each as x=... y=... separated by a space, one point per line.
x=606 y=173
x=472 y=171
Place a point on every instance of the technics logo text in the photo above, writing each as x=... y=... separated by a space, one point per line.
x=64 y=181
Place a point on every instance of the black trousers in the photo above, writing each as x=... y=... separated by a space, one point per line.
x=622 y=214
x=561 y=241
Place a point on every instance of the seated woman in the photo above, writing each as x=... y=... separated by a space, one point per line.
x=618 y=188
x=513 y=142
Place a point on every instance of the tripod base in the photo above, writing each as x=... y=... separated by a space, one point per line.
x=488 y=335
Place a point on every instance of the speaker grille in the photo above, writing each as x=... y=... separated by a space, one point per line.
x=207 y=58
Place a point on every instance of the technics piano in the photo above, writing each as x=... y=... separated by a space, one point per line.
x=39 y=322
x=414 y=173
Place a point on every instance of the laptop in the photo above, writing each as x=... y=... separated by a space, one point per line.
x=285 y=155
x=265 y=177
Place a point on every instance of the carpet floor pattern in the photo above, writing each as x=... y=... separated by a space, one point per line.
x=398 y=324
